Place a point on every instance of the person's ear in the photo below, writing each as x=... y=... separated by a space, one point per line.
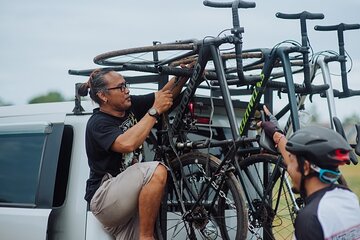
x=102 y=96
x=307 y=168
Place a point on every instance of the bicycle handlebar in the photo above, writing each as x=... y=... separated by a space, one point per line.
x=241 y=4
x=336 y=58
x=303 y=15
x=87 y=72
x=298 y=88
x=338 y=27
x=348 y=93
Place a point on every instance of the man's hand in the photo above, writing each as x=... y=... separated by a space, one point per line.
x=163 y=101
x=272 y=126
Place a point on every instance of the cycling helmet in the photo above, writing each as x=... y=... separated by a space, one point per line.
x=321 y=146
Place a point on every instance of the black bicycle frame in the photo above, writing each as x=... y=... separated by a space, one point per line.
x=208 y=50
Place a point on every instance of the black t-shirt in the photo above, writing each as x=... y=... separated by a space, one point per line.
x=101 y=131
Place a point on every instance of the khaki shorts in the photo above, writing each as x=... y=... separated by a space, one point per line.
x=115 y=203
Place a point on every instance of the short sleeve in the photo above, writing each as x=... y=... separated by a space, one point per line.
x=105 y=133
x=141 y=104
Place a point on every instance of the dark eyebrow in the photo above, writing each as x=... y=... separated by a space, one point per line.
x=120 y=84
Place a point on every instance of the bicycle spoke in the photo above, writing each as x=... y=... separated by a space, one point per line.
x=271 y=210
x=218 y=215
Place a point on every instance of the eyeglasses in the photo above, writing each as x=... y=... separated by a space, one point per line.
x=121 y=86
x=325 y=175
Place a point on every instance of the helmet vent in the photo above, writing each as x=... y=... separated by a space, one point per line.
x=315 y=141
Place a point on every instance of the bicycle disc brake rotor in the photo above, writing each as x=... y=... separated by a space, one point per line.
x=202 y=221
x=200 y=217
x=262 y=214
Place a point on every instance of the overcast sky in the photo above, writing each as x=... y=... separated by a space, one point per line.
x=41 y=39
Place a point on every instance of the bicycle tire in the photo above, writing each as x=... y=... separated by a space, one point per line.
x=142 y=55
x=271 y=216
x=217 y=219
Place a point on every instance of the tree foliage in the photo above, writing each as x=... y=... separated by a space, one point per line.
x=352 y=119
x=3 y=103
x=49 y=97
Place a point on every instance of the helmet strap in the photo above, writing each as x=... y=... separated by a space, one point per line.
x=301 y=162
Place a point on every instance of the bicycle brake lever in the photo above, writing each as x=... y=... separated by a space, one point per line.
x=311 y=98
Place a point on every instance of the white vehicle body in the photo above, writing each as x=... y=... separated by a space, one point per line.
x=48 y=215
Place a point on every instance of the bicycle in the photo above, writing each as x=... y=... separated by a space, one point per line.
x=329 y=92
x=309 y=74
x=273 y=206
x=301 y=98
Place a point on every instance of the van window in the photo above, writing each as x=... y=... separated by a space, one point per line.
x=20 y=160
x=29 y=169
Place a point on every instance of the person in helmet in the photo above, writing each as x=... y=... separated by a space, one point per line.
x=312 y=156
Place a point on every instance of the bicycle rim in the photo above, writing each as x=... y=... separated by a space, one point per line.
x=215 y=217
x=147 y=55
x=272 y=206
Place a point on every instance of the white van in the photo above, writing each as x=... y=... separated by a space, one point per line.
x=43 y=170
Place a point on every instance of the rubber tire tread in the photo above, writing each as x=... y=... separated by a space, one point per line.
x=101 y=59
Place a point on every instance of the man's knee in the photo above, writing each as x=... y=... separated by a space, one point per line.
x=160 y=174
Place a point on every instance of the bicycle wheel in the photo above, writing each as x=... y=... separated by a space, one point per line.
x=215 y=217
x=145 y=55
x=272 y=204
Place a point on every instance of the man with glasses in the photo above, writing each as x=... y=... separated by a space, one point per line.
x=123 y=192
x=312 y=156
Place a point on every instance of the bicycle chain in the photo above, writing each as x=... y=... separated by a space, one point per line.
x=251 y=228
x=216 y=187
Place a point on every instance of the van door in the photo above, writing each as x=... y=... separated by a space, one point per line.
x=28 y=162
